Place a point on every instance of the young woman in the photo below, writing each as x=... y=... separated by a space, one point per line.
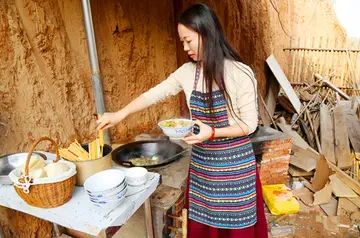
x=224 y=192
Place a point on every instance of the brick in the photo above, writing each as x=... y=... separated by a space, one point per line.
x=264 y=171
x=280 y=159
x=275 y=161
x=275 y=153
x=277 y=144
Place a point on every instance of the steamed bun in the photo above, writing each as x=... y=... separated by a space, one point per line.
x=37 y=173
x=36 y=162
x=54 y=169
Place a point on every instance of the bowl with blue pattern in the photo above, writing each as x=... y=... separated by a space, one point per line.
x=109 y=204
x=176 y=128
x=114 y=197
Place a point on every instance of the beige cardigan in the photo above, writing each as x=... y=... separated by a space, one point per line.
x=239 y=80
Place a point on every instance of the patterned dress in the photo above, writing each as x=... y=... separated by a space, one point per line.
x=222 y=182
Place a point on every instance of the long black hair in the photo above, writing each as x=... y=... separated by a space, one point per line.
x=216 y=48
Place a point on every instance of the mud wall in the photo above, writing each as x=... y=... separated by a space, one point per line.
x=45 y=86
x=45 y=76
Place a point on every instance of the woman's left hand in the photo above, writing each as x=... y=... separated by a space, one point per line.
x=204 y=134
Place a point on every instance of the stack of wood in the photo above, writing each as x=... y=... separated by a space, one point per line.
x=324 y=123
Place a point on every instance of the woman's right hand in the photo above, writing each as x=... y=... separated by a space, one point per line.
x=110 y=119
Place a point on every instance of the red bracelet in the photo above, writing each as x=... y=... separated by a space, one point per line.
x=212 y=133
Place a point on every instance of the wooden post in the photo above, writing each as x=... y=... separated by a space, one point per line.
x=342 y=66
x=355 y=81
x=307 y=61
x=299 y=65
x=296 y=79
x=326 y=54
x=317 y=54
x=331 y=56
x=313 y=62
x=321 y=55
x=347 y=68
x=292 y=78
x=290 y=60
x=357 y=62
x=148 y=219
x=334 y=63
x=184 y=222
x=337 y=65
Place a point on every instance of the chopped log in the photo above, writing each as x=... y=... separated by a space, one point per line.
x=340 y=189
x=303 y=159
x=284 y=101
x=342 y=145
x=272 y=94
x=353 y=125
x=297 y=172
x=346 y=179
x=313 y=130
x=307 y=132
x=327 y=133
x=333 y=87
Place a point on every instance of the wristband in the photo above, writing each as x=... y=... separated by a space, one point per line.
x=212 y=133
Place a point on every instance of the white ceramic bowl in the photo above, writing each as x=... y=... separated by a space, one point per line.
x=116 y=196
x=179 y=131
x=136 y=176
x=108 y=193
x=109 y=204
x=104 y=181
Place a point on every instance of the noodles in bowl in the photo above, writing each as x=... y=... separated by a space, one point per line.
x=176 y=128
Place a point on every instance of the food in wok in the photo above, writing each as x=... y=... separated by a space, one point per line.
x=146 y=161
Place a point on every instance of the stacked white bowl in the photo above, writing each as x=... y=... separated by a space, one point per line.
x=136 y=176
x=106 y=189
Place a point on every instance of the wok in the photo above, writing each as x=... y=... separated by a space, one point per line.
x=153 y=153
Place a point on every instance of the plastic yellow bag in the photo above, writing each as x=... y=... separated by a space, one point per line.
x=279 y=199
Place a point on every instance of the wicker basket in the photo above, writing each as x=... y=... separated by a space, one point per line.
x=46 y=195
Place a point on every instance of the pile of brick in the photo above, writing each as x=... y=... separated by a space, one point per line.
x=275 y=158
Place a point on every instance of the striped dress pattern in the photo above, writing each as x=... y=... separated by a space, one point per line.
x=222 y=190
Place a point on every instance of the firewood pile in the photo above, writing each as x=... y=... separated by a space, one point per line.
x=323 y=121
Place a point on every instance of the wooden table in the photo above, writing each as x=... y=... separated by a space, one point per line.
x=79 y=214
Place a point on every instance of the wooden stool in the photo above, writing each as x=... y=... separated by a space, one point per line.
x=184 y=220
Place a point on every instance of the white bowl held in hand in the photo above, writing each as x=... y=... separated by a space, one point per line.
x=176 y=128
x=104 y=181
x=136 y=176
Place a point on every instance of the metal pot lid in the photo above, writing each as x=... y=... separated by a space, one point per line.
x=12 y=161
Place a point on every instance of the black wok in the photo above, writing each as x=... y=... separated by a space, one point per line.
x=153 y=152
